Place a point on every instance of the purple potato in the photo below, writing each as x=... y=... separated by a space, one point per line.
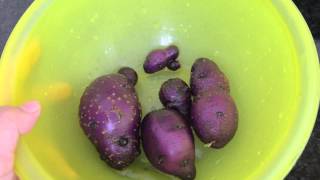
x=156 y=61
x=110 y=116
x=168 y=143
x=130 y=73
x=206 y=75
x=176 y=94
x=214 y=118
x=172 y=53
x=173 y=66
x=160 y=58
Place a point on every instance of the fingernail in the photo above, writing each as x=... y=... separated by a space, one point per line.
x=31 y=107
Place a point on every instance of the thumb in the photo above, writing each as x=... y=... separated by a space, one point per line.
x=23 y=117
x=13 y=122
x=31 y=112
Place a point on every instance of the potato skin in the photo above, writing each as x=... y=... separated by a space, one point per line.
x=158 y=59
x=176 y=94
x=206 y=75
x=155 y=61
x=214 y=118
x=168 y=143
x=174 y=65
x=110 y=116
x=172 y=53
x=130 y=73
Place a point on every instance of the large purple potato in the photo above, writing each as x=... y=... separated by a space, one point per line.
x=206 y=75
x=176 y=94
x=168 y=143
x=214 y=118
x=110 y=115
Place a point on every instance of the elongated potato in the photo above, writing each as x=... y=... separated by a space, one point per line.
x=110 y=115
x=214 y=118
x=168 y=143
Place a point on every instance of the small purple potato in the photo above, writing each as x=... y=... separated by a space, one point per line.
x=176 y=94
x=156 y=61
x=206 y=75
x=168 y=143
x=130 y=73
x=174 y=65
x=110 y=115
x=214 y=118
x=160 y=58
x=172 y=53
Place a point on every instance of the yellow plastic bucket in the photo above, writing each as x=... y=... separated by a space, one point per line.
x=264 y=47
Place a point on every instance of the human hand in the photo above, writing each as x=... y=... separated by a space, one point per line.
x=14 y=121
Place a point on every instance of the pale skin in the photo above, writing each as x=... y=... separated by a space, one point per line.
x=14 y=122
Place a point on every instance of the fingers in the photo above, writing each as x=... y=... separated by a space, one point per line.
x=14 y=121
x=9 y=176
x=32 y=110
x=8 y=140
x=23 y=117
